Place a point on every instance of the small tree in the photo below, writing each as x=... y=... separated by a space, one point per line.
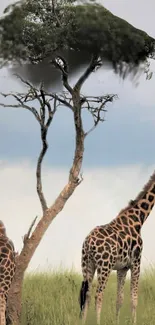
x=44 y=114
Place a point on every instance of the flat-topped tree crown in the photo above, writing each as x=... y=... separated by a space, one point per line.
x=33 y=31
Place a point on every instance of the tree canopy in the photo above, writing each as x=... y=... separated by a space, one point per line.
x=34 y=30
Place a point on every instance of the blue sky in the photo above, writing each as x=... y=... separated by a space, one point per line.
x=126 y=137
x=119 y=158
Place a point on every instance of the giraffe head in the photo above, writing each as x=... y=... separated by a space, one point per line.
x=2 y=229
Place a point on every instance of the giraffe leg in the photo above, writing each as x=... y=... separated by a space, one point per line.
x=102 y=277
x=88 y=271
x=135 y=273
x=2 y=309
x=121 y=276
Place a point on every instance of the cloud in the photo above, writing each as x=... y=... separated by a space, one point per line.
x=96 y=201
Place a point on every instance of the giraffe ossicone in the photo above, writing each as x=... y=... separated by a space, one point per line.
x=116 y=246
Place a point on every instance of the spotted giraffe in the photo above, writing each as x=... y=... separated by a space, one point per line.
x=7 y=270
x=116 y=246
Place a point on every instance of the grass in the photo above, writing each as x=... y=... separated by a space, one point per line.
x=52 y=298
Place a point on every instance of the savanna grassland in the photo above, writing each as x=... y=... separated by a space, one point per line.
x=52 y=299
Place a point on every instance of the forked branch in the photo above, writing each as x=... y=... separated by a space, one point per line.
x=95 y=63
x=60 y=63
x=44 y=116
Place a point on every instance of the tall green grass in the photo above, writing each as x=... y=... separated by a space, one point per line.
x=52 y=299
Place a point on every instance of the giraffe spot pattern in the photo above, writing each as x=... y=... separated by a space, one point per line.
x=118 y=245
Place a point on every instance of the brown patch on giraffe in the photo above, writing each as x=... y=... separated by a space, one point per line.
x=127 y=230
x=100 y=235
x=133 y=232
x=131 y=222
x=100 y=249
x=144 y=205
x=137 y=228
x=124 y=220
x=134 y=218
x=99 y=242
x=150 y=198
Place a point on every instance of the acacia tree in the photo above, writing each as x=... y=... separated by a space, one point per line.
x=39 y=30
x=47 y=107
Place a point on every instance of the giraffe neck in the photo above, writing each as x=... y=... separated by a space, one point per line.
x=146 y=203
x=140 y=208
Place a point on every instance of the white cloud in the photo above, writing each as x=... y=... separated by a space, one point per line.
x=96 y=201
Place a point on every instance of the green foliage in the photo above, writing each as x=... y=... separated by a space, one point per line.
x=52 y=298
x=98 y=30
x=35 y=30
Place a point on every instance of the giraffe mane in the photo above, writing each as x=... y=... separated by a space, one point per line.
x=146 y=187
x=2 y=229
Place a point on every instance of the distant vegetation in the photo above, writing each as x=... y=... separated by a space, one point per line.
x=52 y=298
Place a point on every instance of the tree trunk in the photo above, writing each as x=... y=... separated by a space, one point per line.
x=15 y=293
x=30 y=245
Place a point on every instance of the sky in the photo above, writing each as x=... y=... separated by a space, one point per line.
x=119 y=158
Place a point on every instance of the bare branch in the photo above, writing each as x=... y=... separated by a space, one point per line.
x=60 y=63
x=60 y=100
x=44 y=130
x=38 y=170
x=94 y=64
x=22 y=99
x=21 y=104
x=26 y=236
x=98 y=113
x=25 y=82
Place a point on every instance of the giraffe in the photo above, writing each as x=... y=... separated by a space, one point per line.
x=7 y=270
x=116 y=246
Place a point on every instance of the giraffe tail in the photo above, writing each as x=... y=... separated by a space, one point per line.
x=82 y=297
